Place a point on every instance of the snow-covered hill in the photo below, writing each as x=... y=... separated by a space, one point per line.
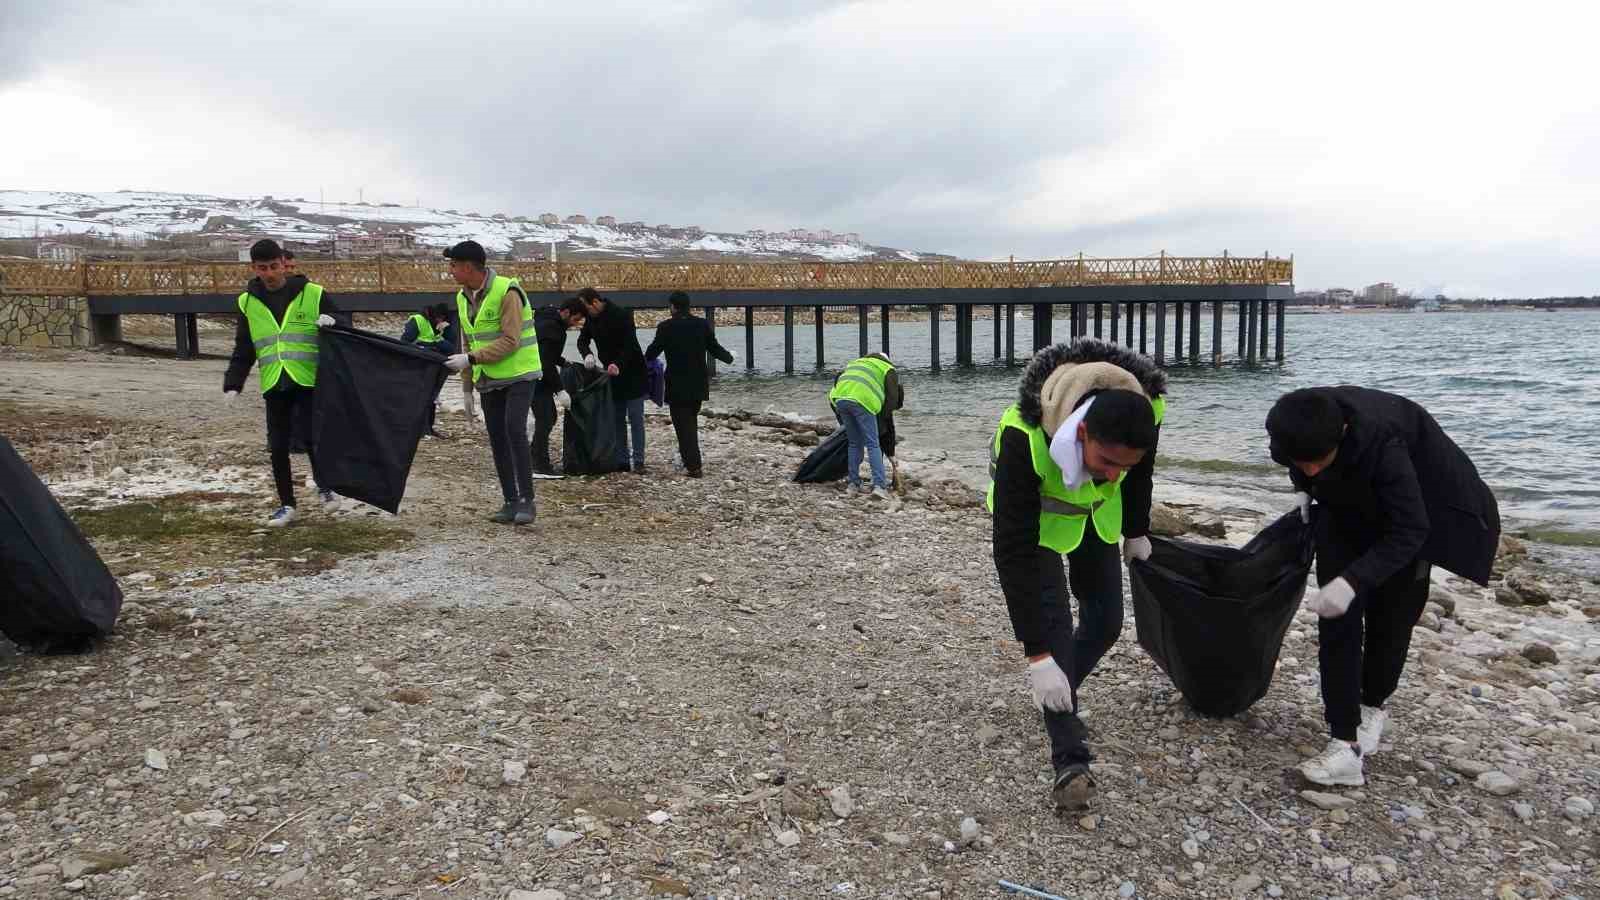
x=135 y=215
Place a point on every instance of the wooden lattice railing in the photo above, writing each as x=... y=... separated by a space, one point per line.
x=34 y=277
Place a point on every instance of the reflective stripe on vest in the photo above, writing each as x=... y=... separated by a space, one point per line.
x=863 y=382
x=485 y=330
x=1063 y=511
x=289 y=346
x=425 y=332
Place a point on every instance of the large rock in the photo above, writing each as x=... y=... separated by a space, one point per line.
x=1327 y=801
x=88 y=862
x=1169 y=522
x=1527 y=586
x=1540 y=654
x=1498 y=783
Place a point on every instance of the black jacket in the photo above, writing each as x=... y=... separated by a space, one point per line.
x=1398 y=490
x=1016 y=485
x=552 y=335
x=244 y=349
x=686 y=340
x=615 y=340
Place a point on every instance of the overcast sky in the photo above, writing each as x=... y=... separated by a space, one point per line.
x=1446 y=146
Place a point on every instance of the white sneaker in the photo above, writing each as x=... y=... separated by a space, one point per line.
x=879 y=493
x=330 y=500
x=1338 y=765
x=851 y=490
x=280 y=517
x=1370 y=731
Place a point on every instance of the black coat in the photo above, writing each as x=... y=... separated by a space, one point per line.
x=686 y=340
x=615 y=340
x=1398 y=490
x=551 y=333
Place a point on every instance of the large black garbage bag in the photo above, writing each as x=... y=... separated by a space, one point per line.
x=589 y=428
x=1214 y=617
x=55 y=592
x=371 y=409
x=831 y=458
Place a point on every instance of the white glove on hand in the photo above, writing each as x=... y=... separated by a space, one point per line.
x=1051 y=690
x=1302 y=501
x=230 y=397
x=455 y=362
x=563 y=399
x=591 y=362
x=325 y=321
x=1135 y=548
x=1332 y=600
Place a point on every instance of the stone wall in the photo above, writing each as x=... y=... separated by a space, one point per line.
x=44 y=321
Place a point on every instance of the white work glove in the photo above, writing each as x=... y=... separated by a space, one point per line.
x=325 y=321
x=1302 y=502
x=455 y=362
x=1135 y=548
x=230 y=397
x=591 y=362
x=1331 y=600
x=1051 y=689
x=563 y=399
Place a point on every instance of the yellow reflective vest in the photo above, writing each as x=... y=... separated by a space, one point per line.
x=289 y=346
x=862 y=381
x=485 y=329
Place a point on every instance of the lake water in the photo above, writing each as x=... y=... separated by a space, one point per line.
x=1519 y=391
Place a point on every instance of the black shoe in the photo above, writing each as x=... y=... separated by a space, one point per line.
x=695 y=473
x=639 y=469
x=506 y=515
x=1074 y=788
x=524 y=512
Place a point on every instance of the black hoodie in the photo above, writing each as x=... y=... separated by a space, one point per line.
x=1016 y=486
x=244 y=349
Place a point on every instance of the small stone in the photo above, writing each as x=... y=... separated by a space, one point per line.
x=1089 y=823
x=513 y=771
x=659 y=817
x=1540 y=654
x=1327 y=801
x=1245 y=884
x=206 y=818
x=1523 y=811
x=969 y=831
x=407 y=801
x=1126 y=889
x=147 y=704
x=1507 y=597
x=707 y=579
x=1274 y=891
x=544 y=894
x=1497 y=783
x=556 y=838
x=1365 y=875
x=1578 y=808
x=897 y=839
x=293 y=876
x=1471 y=768
x=787 y=838
x=987 y=735
x=39 y=759
x=155 y=759
x=89 y=862
x=1190 y=848
x=839 y=800
x=73 y=886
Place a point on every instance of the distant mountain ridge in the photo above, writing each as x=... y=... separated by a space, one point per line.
x=138 y=217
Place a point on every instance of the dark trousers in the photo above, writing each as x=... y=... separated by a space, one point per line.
x=544 y=422
x=505 y=412
x=1094 y=573
x=288 y=411
x=444 y=375
x=1361 y=653
x=630 y=424
x=686 y=422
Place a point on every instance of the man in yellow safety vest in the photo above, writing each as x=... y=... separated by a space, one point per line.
x=500 y=360
x=1070 y=467
x=867 y=389
x=279 y=314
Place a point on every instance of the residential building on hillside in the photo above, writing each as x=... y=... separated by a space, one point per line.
x=607 y=221
x=577 y=219
x=56 y=251
x=549 y=219
x=389 y=243
x=1383 y=292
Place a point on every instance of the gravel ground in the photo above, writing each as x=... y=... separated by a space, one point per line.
x=728 y=687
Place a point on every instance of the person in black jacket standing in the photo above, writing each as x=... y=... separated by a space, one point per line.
x=1394 y=496
x=686 y=340
x=550 y=326
x=610 y=339
x=270 y=295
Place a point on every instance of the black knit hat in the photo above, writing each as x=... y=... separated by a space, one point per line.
x=468 y=251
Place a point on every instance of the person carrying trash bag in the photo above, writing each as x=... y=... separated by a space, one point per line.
x=550 y=324
x=279 y=315
x=1394 y=496
x=430 y=329
x=1070 y=469
x=866 y=388
x=502 y=365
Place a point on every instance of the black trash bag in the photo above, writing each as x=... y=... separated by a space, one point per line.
x=55 y=592
x=832 y=457
x=589 y=429
x=1214 y=617
x=371 y=409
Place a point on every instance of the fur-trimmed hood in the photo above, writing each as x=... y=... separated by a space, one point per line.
x=1151 y=378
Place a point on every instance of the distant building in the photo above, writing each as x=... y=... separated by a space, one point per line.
x=849 y=237
x=607 y=221
x=576 y=219
x=1382 y=293
x=549 y=219
x=692 y=231
x=1341 y=296
x=55 y=251
x=391 y=243
x=632 y=226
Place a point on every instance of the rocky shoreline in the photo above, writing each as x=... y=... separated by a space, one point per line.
x=727 y=687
